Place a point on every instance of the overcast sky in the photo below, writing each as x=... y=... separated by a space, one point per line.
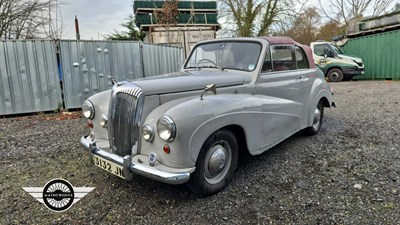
x=96 y=17
x=101 y=17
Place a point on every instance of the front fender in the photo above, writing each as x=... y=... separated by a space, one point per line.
x=101 y=103
x=197 y=119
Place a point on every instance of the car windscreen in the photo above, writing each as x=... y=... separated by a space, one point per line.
x=337 y=50
x=226 y=55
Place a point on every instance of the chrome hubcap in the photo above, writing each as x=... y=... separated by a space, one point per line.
x=217 y=163
x=317 y=118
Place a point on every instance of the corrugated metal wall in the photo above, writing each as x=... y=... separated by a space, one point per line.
x=158 y=59
x=29 y=77
x=380 y=54
x=88 y=66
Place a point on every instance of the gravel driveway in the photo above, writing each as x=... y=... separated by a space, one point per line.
x=347 y=174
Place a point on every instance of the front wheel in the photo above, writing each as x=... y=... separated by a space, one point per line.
x=335 y=75
x=215 y=164
x=317 y=120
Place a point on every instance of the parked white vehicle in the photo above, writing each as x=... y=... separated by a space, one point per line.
x=335 y=64
x=188 y=127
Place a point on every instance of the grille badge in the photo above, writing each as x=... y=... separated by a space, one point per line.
x=152 y=158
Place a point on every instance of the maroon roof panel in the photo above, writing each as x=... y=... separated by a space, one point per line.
x=278 y=40
x=309 y=53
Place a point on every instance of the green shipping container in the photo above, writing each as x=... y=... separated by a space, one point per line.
x=181 y=4
x=379 y=52
x=201 y=18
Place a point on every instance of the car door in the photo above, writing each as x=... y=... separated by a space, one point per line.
x=320 y=56
x=280 y=78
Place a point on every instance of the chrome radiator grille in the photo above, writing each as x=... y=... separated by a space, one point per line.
x=124 y=121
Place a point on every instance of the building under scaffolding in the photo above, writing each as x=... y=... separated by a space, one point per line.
x=194 y=21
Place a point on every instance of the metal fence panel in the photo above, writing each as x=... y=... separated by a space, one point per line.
x=30 y=70
x=29 y=80
x=158 y=59
x=88 y=66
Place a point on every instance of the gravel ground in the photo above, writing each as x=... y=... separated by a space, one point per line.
x=347 y=174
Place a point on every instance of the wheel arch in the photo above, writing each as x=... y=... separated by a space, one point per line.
x=325 y=102
x=240 y=135
x=318 y=94
x=237 y=130
x=333 y=67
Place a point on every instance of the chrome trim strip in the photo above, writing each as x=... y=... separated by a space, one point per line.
x=97 y=151
x=136 y=168
x=162 y=176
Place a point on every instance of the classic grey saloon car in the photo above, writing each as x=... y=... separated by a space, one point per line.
x=188 y=127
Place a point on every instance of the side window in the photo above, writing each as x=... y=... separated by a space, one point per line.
x=267 y=65
x=301 y=58
x=282 y=58
x=319 y=50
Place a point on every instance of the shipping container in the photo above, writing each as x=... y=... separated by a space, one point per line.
x=380 y=52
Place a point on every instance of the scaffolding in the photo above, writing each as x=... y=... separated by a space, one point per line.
x=195 y=21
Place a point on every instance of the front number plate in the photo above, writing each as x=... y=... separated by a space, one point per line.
x=108 y=166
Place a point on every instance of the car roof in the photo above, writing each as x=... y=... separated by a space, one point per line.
x=278 y=40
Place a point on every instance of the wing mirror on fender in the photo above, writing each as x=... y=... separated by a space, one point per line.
x=328 y=53
x=209 y=87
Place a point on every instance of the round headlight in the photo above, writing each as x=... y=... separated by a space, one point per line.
x=148 y=133
x=88 y=109
x=103 y=121
x=166 y=128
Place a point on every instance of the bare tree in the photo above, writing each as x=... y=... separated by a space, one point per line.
x=396 y=7
x=342 y=11
x=27 y=18
x=256 y=17
x=330 y=30
x=53 y=27
x=168 y=15
x=305 y=27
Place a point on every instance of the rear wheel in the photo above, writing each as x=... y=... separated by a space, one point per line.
x=335 y=75
x=317 y=120
x=215 y=164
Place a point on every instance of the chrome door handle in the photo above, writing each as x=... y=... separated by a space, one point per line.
x=302 y=78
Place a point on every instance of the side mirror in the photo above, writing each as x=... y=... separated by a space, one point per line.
x=327 y=53
x=209 y=87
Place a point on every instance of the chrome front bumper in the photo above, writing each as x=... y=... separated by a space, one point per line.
x=130 y=168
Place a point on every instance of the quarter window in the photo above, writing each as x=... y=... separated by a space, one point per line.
x=282 y=58
x=267 y=65
x=301 y=58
